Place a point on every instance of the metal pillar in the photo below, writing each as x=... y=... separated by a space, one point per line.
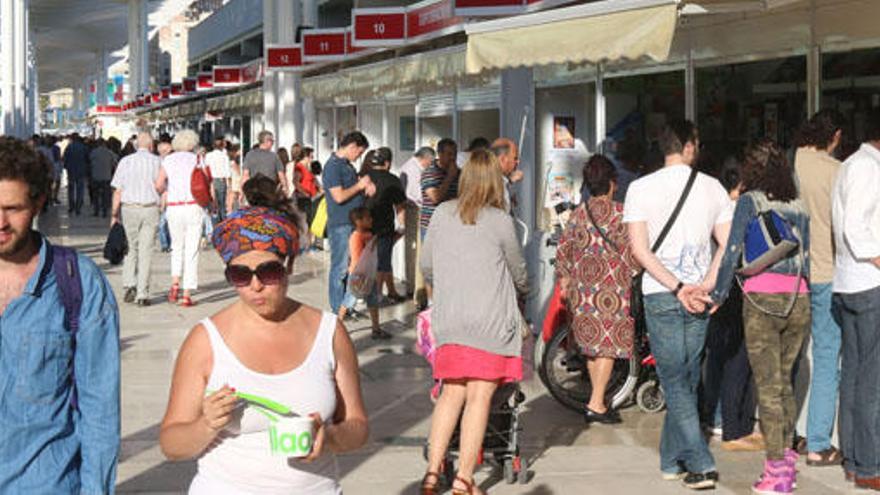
x=7 y=65
x=600 y=108
x=690 y=89
x=138 y=47
x=309 y=112
x=290 y=111
x=101 y=87
x=814 y=68
x=518 y=124
x=270 y=81
x=385 y=132
x=456 y=119
x=20 y=61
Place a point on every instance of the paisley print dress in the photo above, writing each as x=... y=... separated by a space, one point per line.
x=600 y=275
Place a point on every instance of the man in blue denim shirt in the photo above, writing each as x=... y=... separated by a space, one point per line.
x=50 y=443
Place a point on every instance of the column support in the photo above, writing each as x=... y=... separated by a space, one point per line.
x=270 y=81
x=814 y=68
x=7 y=65
x=690 y=89
x=600 y=108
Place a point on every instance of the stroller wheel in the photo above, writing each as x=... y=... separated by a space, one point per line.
x=650 y=397
x=509 y=473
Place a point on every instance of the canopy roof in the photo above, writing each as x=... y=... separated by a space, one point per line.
x=69 y=35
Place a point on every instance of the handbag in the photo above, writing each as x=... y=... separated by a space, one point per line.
x=636 y=297
x=769 y=239
x=319 y=222
x=200 y=186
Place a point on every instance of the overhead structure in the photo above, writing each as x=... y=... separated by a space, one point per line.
x=592 y=32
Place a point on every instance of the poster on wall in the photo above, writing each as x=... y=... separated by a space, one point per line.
x=563 y=132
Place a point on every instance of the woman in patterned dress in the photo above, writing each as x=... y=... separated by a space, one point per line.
x=595 y=268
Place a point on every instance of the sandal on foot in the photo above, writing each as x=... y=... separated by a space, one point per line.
x=174 y=293
x=428 y=487
x=828 y=457
x=470 y=487
x=380 y=334
x=187 y=302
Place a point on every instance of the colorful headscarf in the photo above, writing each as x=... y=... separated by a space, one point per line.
x=255 y=229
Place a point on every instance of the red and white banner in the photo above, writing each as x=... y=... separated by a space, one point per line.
x=157 y=96
x=190 y=85
x=227 y=75
x=323 y=45
x=486 y=8
x=252 y=71
x=111 y=109
x=177 y=90
x=205 y=81
x=430 y=19
x=166 y=93
x=280 y=57
x=378 y=27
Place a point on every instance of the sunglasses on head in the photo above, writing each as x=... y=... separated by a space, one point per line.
x=268 y=273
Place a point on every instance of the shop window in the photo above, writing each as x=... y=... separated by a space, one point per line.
x=739 y=103
x=851 y=85
x=407 y=133
x=433 y=129
x=637 y=108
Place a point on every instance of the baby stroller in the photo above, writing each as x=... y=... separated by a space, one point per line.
x=501 y=443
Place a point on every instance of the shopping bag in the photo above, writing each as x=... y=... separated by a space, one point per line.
x=319 y=223
x=426 y=346
x=363 y=278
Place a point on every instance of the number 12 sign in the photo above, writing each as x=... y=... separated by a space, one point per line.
x=379 y=27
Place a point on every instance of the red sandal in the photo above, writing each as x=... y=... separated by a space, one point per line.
x=470 y=487
x=174 y=293
x=187 y=302
x=429 y=488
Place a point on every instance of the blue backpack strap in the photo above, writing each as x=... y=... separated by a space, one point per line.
x=66 y=267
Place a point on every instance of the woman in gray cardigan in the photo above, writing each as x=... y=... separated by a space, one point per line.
x=472 y=257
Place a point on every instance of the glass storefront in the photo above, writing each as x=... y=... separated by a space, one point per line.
x=851 y=85
x=739 y=103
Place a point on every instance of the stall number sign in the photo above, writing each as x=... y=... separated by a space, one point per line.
x=227 y=76
x=324 y=44
x=280 y=57
x=379 y=27
x=430 y=18
x=189 y=84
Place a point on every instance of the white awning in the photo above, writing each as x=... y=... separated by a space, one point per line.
x=595 y=32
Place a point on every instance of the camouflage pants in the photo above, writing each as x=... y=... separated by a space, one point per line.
x=773 y=344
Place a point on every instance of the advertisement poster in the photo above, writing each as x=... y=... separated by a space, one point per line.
x=563 y=132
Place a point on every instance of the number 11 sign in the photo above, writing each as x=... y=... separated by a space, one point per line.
x=379 y=27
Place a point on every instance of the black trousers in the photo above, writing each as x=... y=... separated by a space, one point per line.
x=727 y=375
x=103 y=195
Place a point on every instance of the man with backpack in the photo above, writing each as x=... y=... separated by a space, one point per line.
x=59 y=359
x=672 y=216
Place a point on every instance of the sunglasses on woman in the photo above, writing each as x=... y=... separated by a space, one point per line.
x=268 y=273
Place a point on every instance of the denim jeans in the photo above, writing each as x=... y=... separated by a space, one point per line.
x=220 y=193
x=826 y=370
x=677 y=339
x=338 y=235
x=859 y=424
x=164 y=233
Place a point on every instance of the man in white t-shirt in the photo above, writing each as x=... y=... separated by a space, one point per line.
x=218 y=162
x=676 y=279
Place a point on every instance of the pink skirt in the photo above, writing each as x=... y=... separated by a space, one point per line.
x=455 y=362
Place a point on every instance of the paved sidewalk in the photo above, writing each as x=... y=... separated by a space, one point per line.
x=565 y=457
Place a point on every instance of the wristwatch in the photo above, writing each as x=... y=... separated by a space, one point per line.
x=677 y=288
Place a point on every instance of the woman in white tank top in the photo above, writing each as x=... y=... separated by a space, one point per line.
x=243 y=372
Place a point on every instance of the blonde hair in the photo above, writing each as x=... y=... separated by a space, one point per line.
x=480 y=185
x=185 y=140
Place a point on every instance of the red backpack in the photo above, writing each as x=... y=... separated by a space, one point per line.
x=200 y=185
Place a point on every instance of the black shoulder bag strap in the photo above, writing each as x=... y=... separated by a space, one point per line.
x=636 y=300
x=601 y=231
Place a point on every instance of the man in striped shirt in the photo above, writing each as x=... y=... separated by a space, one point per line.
x=136 y=199
x=439 y=181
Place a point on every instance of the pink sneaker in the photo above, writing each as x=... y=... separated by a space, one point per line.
x=776 y=479
x=791 y=457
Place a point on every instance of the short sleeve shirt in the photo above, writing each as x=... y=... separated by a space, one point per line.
x=389 y=192
x=339 y=172
x=687 y=249
x=432 y=177
x=263 y=162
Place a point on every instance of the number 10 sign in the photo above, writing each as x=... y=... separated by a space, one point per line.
x=379 y=27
